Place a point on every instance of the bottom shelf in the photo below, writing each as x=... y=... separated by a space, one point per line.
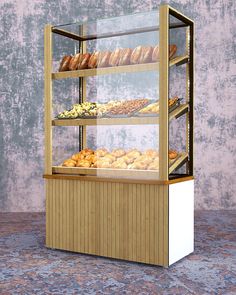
x=121 y=173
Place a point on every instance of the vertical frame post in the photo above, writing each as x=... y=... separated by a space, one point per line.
x=164 y=92
x=82 y=92
x=48 y=97
x=191 y=102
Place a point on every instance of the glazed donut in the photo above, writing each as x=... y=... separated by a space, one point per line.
x=125 y=56
x=103 y=59
x=155 y=54
x=74 y=62
x=114 y=58
x=83 y=63
x=172 y=50
x=93 y=60
x=136 y=54
x=146 y=55
x=65 y=62
x=172 y=154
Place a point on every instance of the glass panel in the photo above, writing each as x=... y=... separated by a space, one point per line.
x=177 y=88
x=122 y=137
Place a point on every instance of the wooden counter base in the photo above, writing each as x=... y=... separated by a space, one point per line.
x=120 y=220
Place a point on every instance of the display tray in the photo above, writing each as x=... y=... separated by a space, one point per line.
x=121 y=173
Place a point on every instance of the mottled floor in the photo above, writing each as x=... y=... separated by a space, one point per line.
x=27 y=267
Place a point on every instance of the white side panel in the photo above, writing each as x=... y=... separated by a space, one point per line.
x=181 y=220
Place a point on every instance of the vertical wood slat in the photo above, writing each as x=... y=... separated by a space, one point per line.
x=119 y=220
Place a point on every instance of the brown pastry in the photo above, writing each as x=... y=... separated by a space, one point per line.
x=115 y=57
x=83 y=163
x=77 y=157
x=74 y=62
x=127 y=160
x=93 y=60
x=64 y=65
x=118 y=153
x=87 y=152
x=172 y=50
x=146 y=55
x=155 y=54
x=136 y=54
x=103 y=59
x=83 y=63
x=125 y=56
x=172 y=154
x=138 y=165
x=151 y=153
x=101 y=152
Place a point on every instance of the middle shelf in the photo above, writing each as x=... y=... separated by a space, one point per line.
x=183 y=108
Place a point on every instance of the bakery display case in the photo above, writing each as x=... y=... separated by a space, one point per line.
x=119 y=136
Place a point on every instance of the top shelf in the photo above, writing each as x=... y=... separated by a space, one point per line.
x=119 y=69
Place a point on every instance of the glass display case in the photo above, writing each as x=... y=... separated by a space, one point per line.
x=119 y=101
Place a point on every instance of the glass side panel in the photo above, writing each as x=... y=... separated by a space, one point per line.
x=178 y=88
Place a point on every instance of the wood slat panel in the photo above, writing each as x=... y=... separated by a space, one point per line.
x=119 y=220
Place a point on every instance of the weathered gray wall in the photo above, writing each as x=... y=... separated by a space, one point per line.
x=21 y=94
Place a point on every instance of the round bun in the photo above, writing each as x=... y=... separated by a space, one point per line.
x=115 y=57
x=136 y=54
x=83 y=63
x=151 y=153
x=155 y=54
x=118 y=153
x=172 y=50
x=74 y=62
x=93 y=60
x=103 y=59
x=65 y=62
x=172 y=154
x=83 y=163
x=101 y=152
x=146 y=55
x=125 y=56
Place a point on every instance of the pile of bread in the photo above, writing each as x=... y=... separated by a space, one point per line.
x=118 y=57
x=154 y=108
x=117 y=159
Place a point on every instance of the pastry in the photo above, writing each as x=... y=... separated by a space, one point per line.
x=173 y=101
x=115 y=57
x=83 y=63
x=146 y=55
x=144 y=159
x=138 y=165
x=172 y=154
x=172 y=50
x=151 y=153
x=83 y=163
x=109 y=158
x=101 y=152
x=77 y=157
x=103 y=59
x=74 y=62
x=118 y=153
x=93 y=60
x=152 y=108
x=154 y=165
x=133 y=154
x=125 y=56
x=87 y=152
x=102 y=164
x=127 y=160
x=64 y=65
x=136 y=54
x=155 y=54
x=69 y=163
x=91 y=158
x=119 y=165
x=128 y=107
